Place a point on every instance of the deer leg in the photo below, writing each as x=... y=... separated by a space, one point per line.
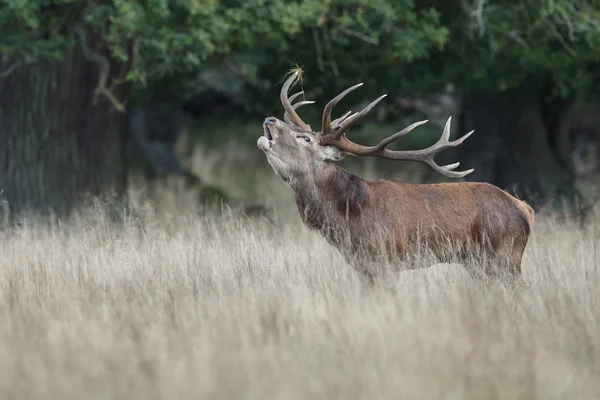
x=366 y=279
x=503 y=263
x=477 y=269
x=512 y=265
x=364 y=269
x=507 y=259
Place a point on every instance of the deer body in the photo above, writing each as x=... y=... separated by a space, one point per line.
x=370 y=221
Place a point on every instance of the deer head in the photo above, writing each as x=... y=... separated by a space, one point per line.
x=294 y=150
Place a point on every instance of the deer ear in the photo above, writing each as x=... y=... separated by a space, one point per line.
x=332 y=153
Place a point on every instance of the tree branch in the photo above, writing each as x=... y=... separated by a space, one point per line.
x=12 y=68
x=361 y=36
x=101 y=88
x=479 y=16
x=6 y=73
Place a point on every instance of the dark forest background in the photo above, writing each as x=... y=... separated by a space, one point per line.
x=93 y=92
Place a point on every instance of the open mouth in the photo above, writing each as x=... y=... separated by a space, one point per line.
x=268 y=133
x=266 y=141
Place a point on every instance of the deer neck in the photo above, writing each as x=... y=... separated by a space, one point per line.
x=330 y=196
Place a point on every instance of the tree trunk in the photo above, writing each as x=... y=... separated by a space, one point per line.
x=511 y=148
x=56 y=146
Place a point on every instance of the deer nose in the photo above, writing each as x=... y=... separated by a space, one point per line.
x=269 y=121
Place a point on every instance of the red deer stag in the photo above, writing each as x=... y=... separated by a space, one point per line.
x=366 y=220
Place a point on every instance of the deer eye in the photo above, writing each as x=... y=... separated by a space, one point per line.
x=305 y=138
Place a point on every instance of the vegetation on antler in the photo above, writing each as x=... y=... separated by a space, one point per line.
x=296 y=70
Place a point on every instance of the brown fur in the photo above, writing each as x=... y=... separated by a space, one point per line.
x=448 y=218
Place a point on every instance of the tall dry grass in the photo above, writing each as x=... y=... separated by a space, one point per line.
x=222 y=307
x=179 y=306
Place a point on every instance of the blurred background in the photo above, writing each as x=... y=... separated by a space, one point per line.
x=164 y=99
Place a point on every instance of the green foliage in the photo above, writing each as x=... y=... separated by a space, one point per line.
x=369 y=41
x=527 y=45
x=162 y=36
x=172 y=40
x=390 y=45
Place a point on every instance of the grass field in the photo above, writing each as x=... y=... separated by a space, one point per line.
x=219 y=307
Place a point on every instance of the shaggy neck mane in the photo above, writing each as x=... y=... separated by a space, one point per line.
x=330 y=195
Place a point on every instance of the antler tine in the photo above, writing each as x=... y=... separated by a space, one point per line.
x=301 y=103
x=286 y=117
x=425 y=155
x=337 y=121
x=293 y=97
x=326 y=125
x=344 y=126
x=398 y=135
x=335 y=126
x=286 y=102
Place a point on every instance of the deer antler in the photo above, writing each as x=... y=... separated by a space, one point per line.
x=337 y=127
x=286 y=117
x=334 y=134
x=341 y=119
x=290 y=115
